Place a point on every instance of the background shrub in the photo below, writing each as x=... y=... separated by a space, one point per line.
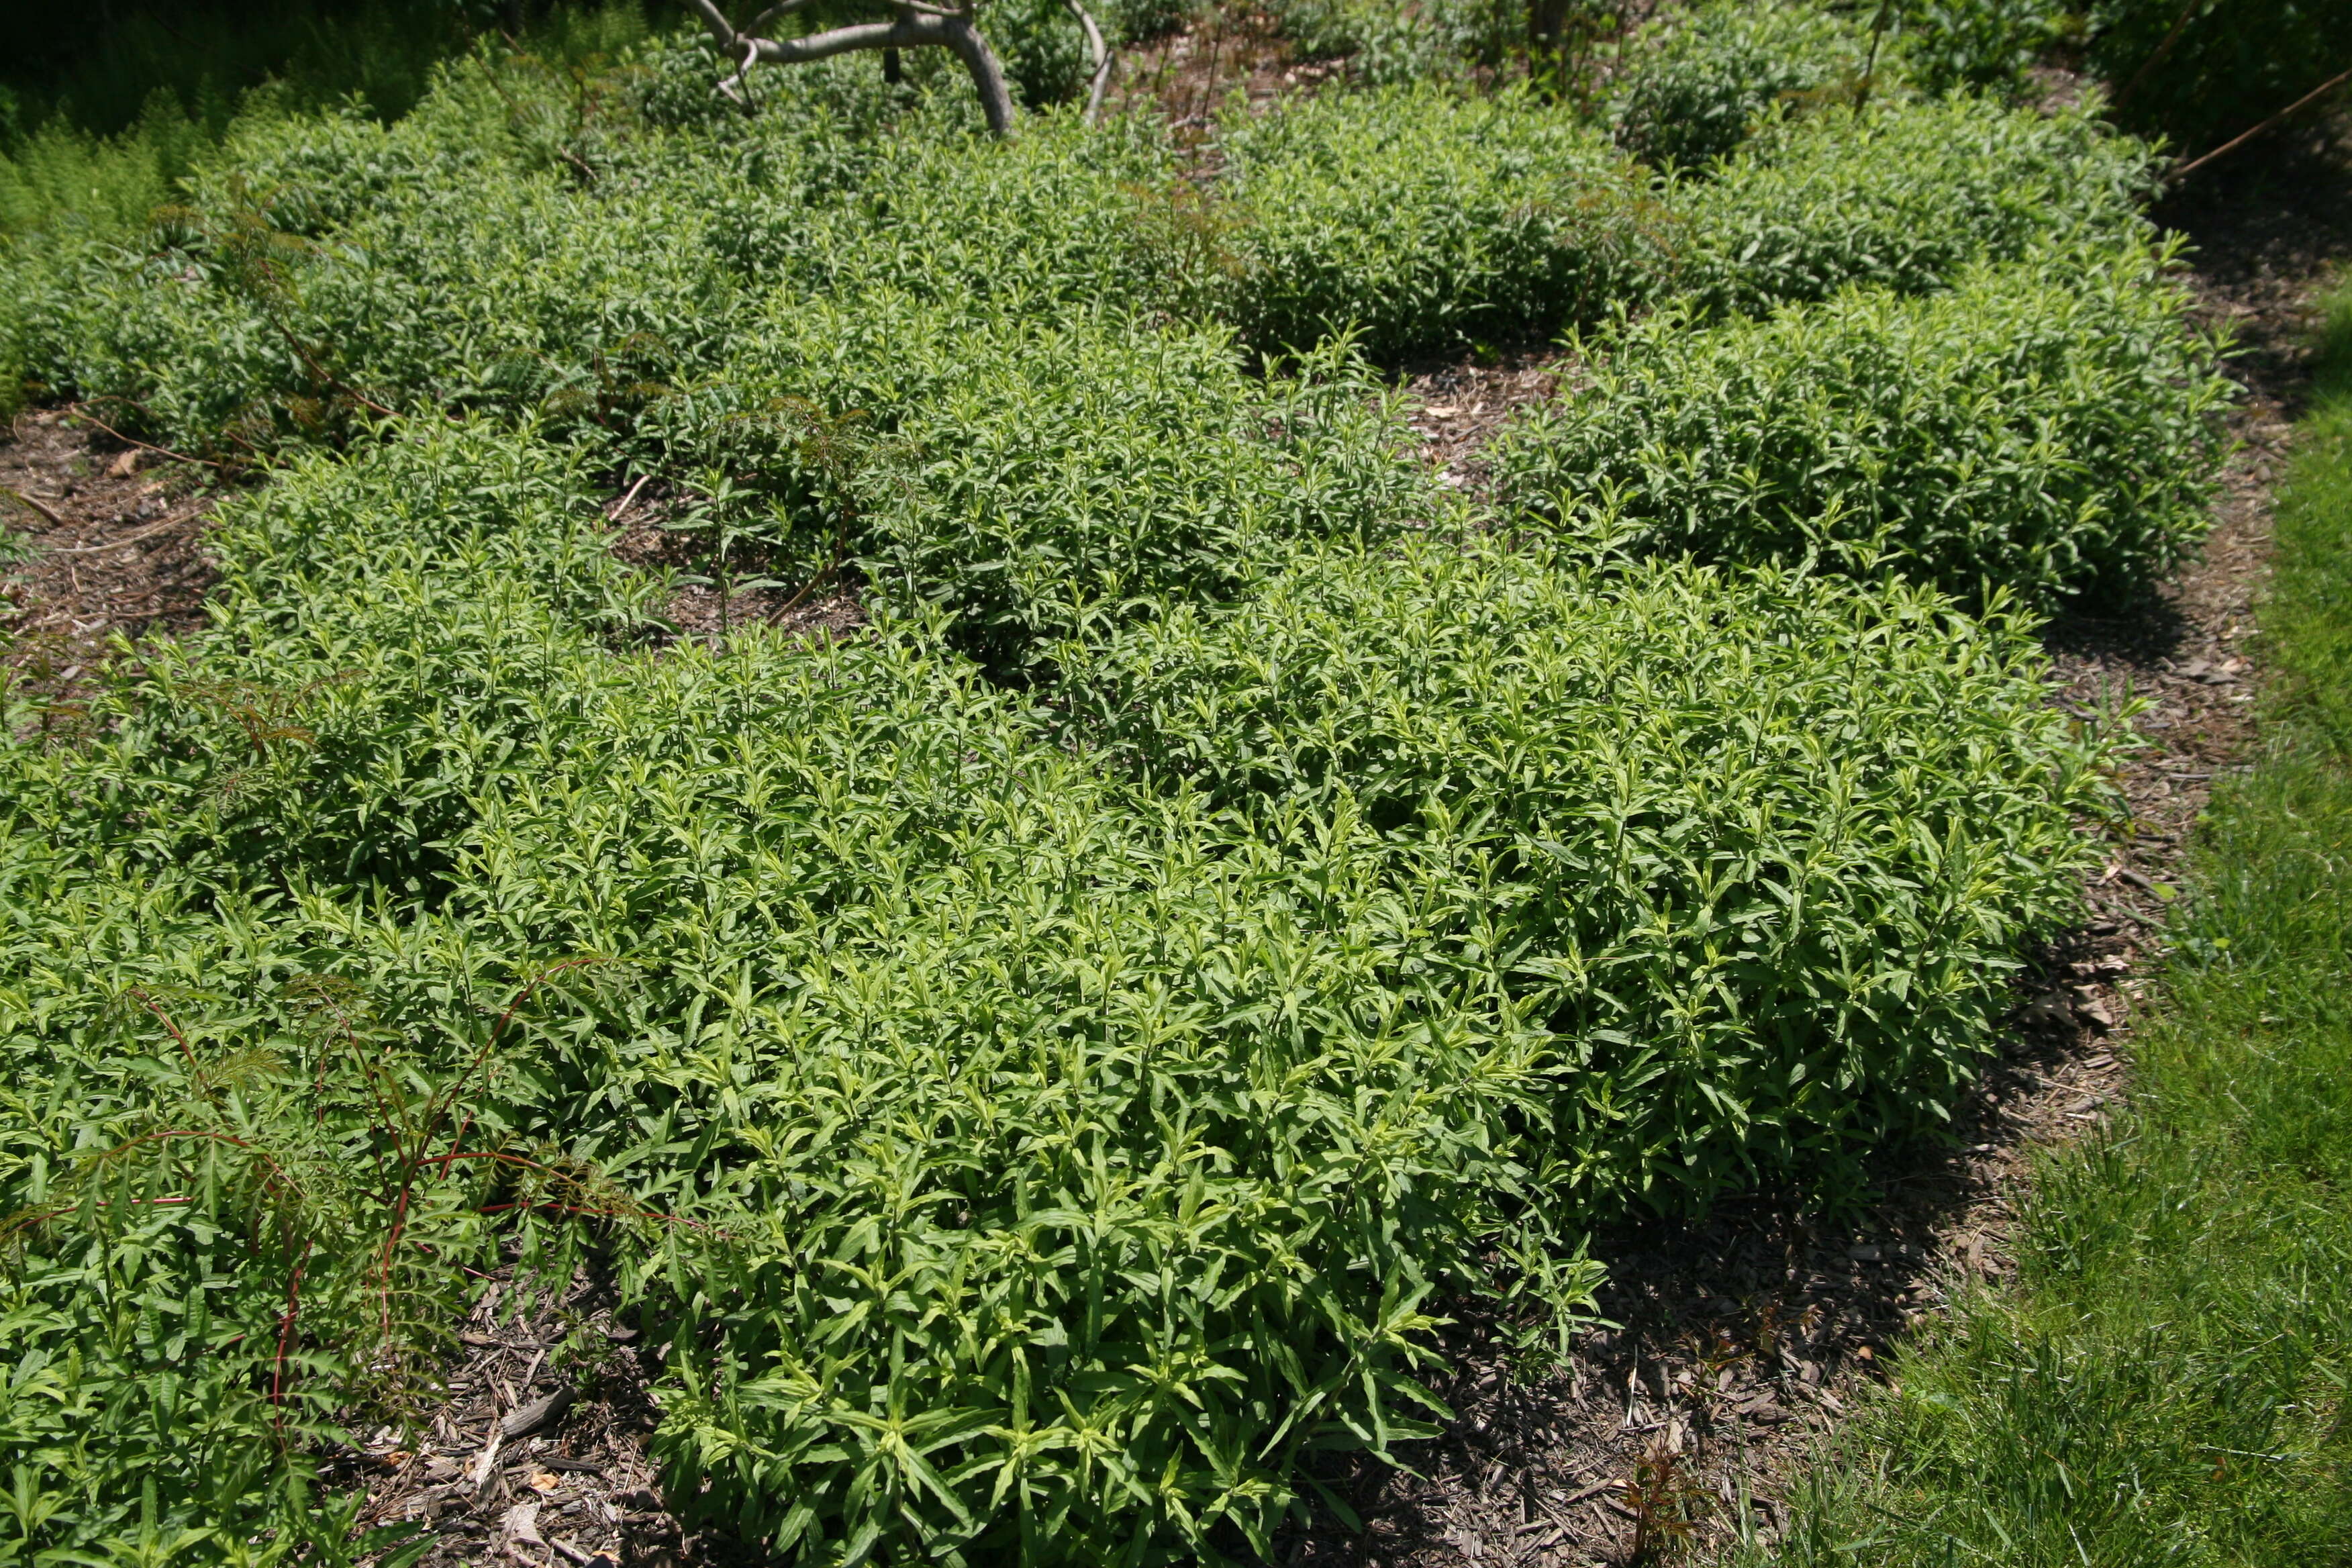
x=2048 y=427
x=1698 y=81
x=1985 y=45
x=2233 y=65
x=331 y=263
x=1425 y=219
x=1043 y=51
x=1142 y=21
x=1906 y=195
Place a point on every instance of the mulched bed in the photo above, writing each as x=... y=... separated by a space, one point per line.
x=1732 y=1345
x=536 y=1448
x=1458 y=409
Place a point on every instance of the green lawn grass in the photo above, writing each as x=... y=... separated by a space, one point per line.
x=2167 y=1380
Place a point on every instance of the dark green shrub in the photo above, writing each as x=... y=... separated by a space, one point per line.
x=1425 y=219
x=2049 y=428
x=1142 y=21
x=1698 y=81
x=1906 y=196
x=1027 y=485
x=2233 y=65
x=1756 y=851
x=1986 y=45
x=1043 y=51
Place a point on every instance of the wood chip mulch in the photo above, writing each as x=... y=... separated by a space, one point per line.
x=1458 y=409
x=531 y=1445
x=114 y=540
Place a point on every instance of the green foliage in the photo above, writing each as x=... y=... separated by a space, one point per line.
x=1698 y=81
x=1142 y=21
x=1906 y=196
x=1040 y=48
x=600 y=254
x=2163 y=1384
x=1334 y=30
x=1043 y=1062
x=60 y=182
x=1023 y=488
x=1395 y=43
x=1137 y=1150
x=1985 y=45
x=1055 y=490
x=2049 y=428
x=1425 y=219
x=101 y=144
x=2231 y=64
x=1757 y=850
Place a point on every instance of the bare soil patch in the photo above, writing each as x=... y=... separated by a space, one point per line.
x=535 y=1449
x=1457 y=410
x=115 y=536
x=709 y=601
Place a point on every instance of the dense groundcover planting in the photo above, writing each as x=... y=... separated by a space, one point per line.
x=1045 y=1063
x=2023 y=430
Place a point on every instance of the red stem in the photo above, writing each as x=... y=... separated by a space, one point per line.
x=438 y=1109
x=286 y=1333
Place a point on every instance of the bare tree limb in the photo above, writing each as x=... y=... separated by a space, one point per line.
x=738 y=86
x=47 y=511
x=901 y=34
x=2234 y=143
x=1098 y=60
x=917 y=25
x=715 y=20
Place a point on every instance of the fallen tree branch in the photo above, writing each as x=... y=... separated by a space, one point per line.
x=916 y=26
x=2324 y=88
x=149 y=531
x=21 y=499
x=89 y=418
